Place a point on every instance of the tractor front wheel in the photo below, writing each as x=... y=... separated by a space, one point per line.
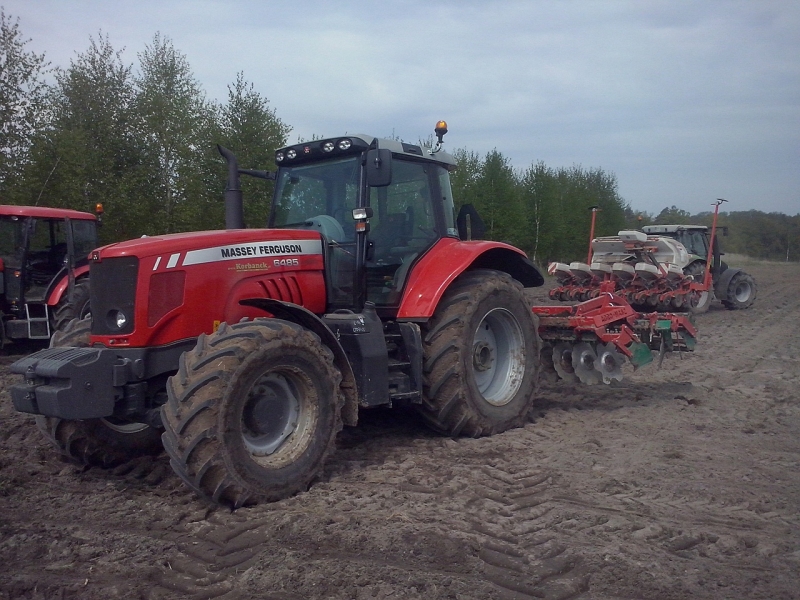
x=253 y=412
x=96 y=442
x=482 y=353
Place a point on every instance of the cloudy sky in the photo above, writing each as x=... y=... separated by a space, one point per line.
x=684 y=102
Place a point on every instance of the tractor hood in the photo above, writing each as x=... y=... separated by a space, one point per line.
x=193 y=248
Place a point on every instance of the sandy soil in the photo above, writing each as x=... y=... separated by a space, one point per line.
x=682 y=482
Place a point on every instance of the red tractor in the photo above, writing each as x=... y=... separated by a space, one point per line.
x=44 y=269
x=244 y=351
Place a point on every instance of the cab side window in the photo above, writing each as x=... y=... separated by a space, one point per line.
x=403 y=226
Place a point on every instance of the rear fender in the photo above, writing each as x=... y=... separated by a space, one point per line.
x=439 y=267
x=305 y=318
x=60 y=289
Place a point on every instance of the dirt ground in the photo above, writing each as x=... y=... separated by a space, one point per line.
x=682 y=482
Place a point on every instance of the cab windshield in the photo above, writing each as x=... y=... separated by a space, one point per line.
x=318 y=195
x=694 y=240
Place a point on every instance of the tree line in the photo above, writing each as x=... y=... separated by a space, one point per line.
x=143 y=143
x=767 y=236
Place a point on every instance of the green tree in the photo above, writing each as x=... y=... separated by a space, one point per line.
x=252 y=130
x=464 y=180
x=88 y=153
x=22 y=94
x=498 y=199
x=539 y=195
x=673 y=216
x=558 y=206
x=179 y=127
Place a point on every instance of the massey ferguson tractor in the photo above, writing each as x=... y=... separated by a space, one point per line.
x=244 y=351
x=44 y=269
x=662 y=267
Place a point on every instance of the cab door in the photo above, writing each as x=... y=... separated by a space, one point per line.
x=402 y=228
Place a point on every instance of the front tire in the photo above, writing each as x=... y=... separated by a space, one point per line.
x=96 y=442
x=482 y=356
x=253 y=412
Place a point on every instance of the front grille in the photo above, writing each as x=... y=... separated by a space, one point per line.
x=113 y=288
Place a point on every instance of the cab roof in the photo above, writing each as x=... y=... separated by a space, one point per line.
x=44 y=212
x=355 y=144
x=672 y=228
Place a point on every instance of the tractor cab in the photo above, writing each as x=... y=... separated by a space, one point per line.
x=695 y=238
x=39 y=247
x=378 y=204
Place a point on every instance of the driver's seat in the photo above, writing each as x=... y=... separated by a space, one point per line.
x=329 y=227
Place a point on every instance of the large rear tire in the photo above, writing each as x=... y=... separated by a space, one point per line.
x=96 y=442
x=482 y=355
x=253 y=412
x=741 y=292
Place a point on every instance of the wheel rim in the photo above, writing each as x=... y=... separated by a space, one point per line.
x=126 y=427
x=278 y=416
x=701 y=298
x=742 y=293
x=498 y=357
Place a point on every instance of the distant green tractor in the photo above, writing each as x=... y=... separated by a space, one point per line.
x=733 y=287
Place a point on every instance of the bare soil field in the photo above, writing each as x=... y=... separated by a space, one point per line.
x=682 y=482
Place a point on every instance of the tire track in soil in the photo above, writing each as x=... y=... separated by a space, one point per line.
x=539 y=525
x=772 y=323
x=218 y=559
x=657 y=520
x=502 y=511
x=512 y=519
x=59 y=559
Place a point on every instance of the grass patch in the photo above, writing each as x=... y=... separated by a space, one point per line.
x=741 y=260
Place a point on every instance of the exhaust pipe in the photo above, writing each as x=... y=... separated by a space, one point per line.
x=234 y=210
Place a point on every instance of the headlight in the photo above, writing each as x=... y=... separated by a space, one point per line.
x=279 y=157
x=290 y=154
x=327 y=147
x=117 y=319
x=344 y=144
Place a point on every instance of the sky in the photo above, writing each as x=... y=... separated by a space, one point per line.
x=684 y=102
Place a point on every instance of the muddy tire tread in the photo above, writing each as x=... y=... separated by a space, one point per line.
x=192 y=410
x=444 y=407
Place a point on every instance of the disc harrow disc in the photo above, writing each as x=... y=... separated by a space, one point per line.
x=562 y=361
x=609 y=362
x=584 y=359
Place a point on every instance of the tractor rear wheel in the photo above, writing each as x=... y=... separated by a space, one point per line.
x=481 y=357
x=253 y=412
x=73 y=306
x=96 y=442
x=741 y=292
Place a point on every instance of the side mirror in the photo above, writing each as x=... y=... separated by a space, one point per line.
x=379 y=167
x=469 y=223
